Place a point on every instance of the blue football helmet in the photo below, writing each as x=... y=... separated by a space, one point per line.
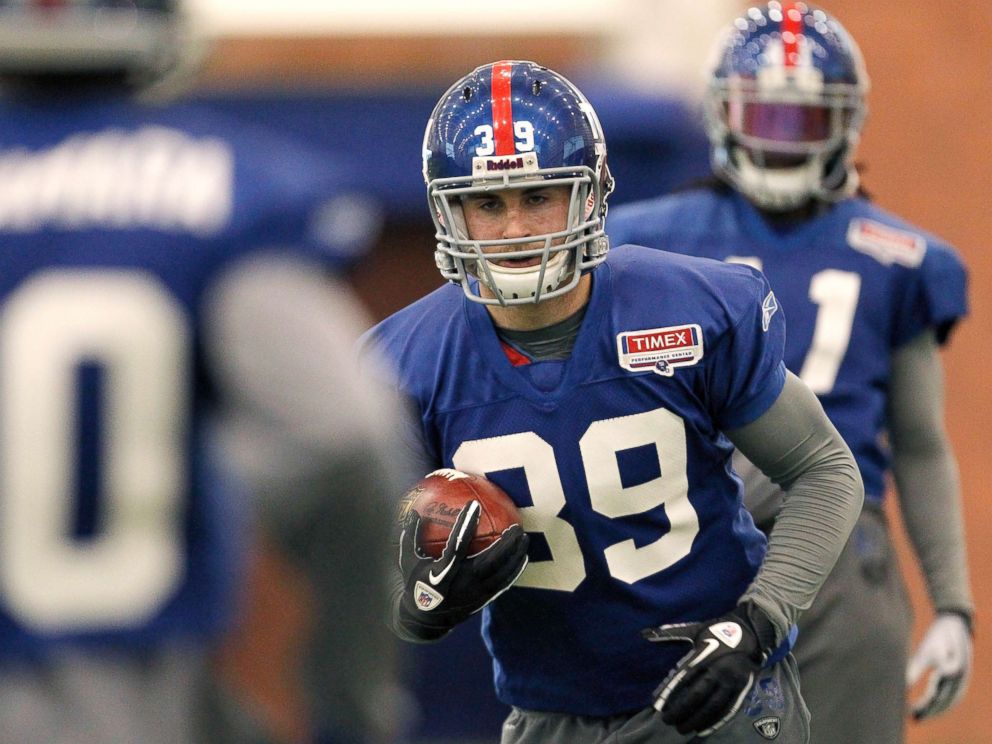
x=136 y=39
x=514 y=125
x=785 y=106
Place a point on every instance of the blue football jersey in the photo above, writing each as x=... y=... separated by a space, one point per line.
x=856 y=283
x=616 y=459
x=115 y=221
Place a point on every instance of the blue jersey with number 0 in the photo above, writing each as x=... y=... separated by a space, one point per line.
x=115 y=221
x=856 y=282
x=616 y=459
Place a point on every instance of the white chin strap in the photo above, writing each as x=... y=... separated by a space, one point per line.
x=512 y=284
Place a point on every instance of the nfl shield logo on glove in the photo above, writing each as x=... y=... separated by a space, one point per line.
x=427 y=598
x=768 y=727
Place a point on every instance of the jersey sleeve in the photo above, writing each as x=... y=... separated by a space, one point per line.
x=935 y=297
x=746 y=368
x=620 y=224
x=637 y=223
x=377 y=361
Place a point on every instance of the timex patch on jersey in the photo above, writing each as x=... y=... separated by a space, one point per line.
x=887 y=245
x=660 y=350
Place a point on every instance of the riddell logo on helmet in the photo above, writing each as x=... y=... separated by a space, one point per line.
x=492 y=165
x=507 y=164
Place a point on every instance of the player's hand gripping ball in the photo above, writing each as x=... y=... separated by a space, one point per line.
x=461 y=546
x=441 y=495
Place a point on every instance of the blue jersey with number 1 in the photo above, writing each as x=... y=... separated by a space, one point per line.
x=116 y=220
x=616 y=459
x=856 y=282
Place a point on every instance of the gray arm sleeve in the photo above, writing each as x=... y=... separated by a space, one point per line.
x=280 y=336
x=798 y=448
x=926 y=473
x=313 y=443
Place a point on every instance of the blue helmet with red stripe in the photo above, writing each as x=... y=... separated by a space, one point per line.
x=516 y=125
x=785 y=106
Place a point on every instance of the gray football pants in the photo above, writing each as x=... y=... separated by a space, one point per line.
x=854 y=641
x=774 y=711
x=102 y=697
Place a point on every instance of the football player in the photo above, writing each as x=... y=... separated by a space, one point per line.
x=163 y=301
x=602 y=390
x=870 y=299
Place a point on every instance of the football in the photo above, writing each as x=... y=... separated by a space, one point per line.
x=438 y=498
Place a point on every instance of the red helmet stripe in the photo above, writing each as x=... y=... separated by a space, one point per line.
x=503 y=108
x=792 y=27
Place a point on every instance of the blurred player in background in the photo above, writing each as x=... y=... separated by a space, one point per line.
x=596 y=387
x=869 y=299
x=173 y=366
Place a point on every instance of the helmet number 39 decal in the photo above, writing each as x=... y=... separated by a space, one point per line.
x=523 y=136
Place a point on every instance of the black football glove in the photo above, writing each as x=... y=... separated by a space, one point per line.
x=709 y=684
x=439 y=594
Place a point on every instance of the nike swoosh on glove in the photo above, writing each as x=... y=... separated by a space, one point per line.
x=439 y=594
x=710 y=683
x=944 y=652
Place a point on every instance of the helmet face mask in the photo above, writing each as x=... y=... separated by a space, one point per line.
x=785 y=106
x=505 y=127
